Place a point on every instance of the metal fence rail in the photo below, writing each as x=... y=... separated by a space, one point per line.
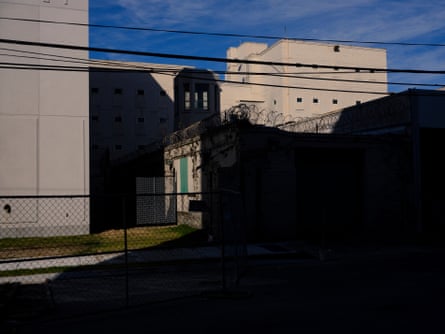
x=26 y=216
x=50 y=248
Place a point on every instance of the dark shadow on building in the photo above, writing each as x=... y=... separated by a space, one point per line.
x=130 y=113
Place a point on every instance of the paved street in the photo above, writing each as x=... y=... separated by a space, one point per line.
x=380 y=291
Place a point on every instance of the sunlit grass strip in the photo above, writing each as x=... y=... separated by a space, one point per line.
x=109 y=241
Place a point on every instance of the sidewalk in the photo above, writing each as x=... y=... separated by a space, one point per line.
x=171 y=255
x=154 y=256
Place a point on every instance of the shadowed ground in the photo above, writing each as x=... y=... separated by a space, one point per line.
x=377 y=291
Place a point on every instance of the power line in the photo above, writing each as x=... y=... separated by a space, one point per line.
x=146 y=67
x=89 y=69
x=214 y=59
x=40 y=67
x=299 y=76
x=218 y=34
x=78 y=60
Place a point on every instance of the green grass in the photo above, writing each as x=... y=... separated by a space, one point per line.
x=109 y=241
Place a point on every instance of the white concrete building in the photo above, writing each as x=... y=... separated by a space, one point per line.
x=290 y=93
x=131 y=105
x=44 y=140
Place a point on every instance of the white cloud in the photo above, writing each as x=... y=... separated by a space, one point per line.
x=353 y=19
x=366 y=20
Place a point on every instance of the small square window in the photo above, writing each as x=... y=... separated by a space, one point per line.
x=358 y=102
x=118 y=91
x=299 y=99
x=315 y=100
x=334 y=101
x=140 y=92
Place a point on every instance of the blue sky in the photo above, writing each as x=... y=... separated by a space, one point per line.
x=412 y=21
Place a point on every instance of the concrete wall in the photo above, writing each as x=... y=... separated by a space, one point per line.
x=44 y=140
x=430 y=108
x=306 y=91
x=388 y=188
x=129 y=109
x=326 y=190
x=184 y=162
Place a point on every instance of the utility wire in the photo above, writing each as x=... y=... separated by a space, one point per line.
x=169 y=73
x=189 y=32
x=84 y=69
x=140 y=67
x=148 y=68
x=214 y=59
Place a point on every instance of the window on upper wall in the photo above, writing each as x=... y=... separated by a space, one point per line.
x=299 y=99
x=334 y=101
x=315 y=100
x=187 y=102
x=94 y=97
x=117 y=96
x=358 y=102
x=201 y=96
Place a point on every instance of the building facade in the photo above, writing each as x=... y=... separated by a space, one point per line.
x=44 y=115
x=133 y=106
x=341 y=76
x=197 y=96
x=367 y=172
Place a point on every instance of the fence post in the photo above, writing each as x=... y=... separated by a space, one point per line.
x=124 y=224
x=223 y=255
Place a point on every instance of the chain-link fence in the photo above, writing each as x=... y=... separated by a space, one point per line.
x=85 y=253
